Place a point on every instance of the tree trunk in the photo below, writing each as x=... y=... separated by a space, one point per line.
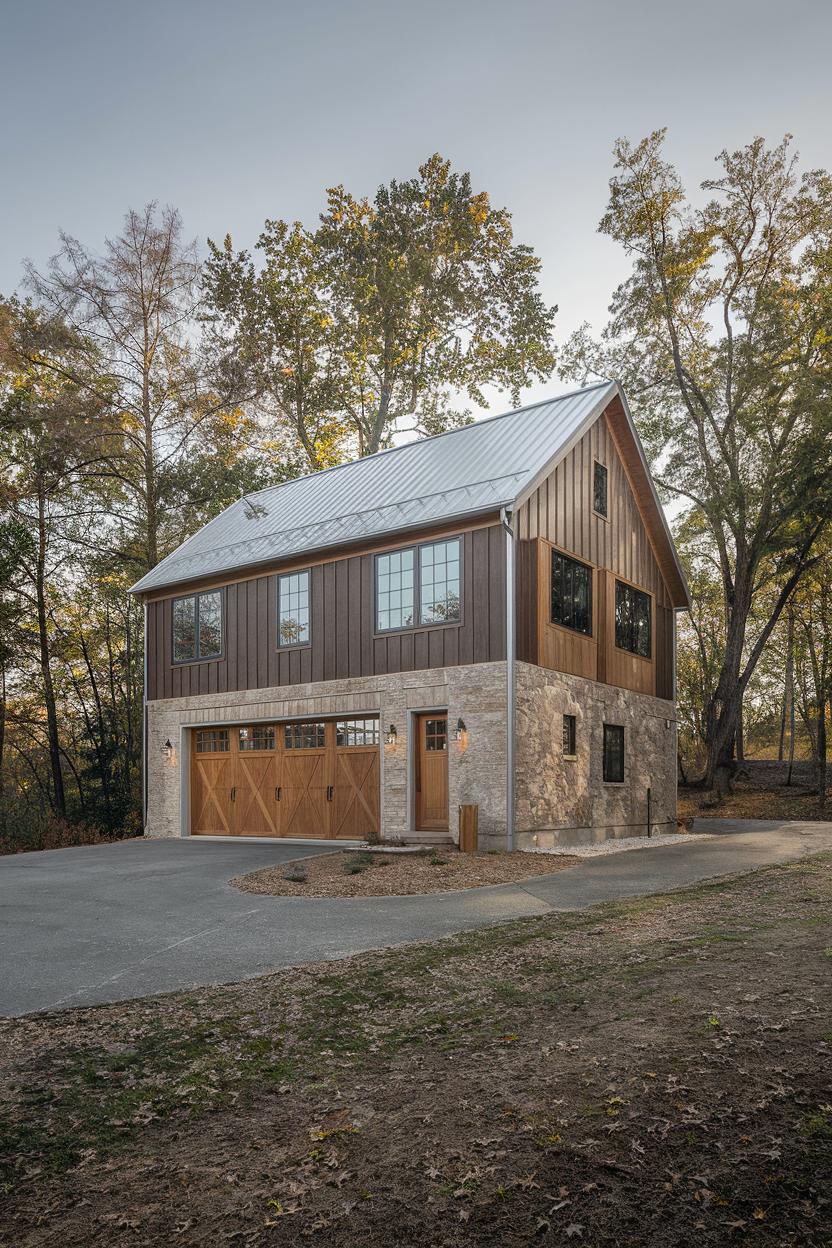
x=821 y=762
x=741 y=737
x=58 y=794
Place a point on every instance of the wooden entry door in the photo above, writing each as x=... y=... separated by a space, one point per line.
x=432 y=772
x=212 y=779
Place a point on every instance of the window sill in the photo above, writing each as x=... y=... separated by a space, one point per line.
x=632 y=654
x=570 y=758
x=214 y=658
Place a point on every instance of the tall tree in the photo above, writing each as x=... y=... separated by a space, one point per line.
x=371 y=322
x=721 y=336
x=135 y=304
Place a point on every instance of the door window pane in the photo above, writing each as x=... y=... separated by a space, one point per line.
x=357 y=732
x=293 y=609
x=439 y=583
x=395 y=590
x=212 y=741
x=571 y=593
x=305 y=736
x=613 y=753
x=436 y=734
x=259 y=737
x=632 y=620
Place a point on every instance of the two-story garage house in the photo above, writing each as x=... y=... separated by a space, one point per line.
x=486 y=616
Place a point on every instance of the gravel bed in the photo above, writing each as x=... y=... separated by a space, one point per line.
x=616 y=845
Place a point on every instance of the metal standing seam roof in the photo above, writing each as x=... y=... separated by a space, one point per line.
x=461 y=473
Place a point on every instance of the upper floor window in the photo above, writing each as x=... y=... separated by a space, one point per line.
x=632 y=620
x=419 y=586
x=571 y=593
x=599 y=490
x=293 y=609
x=197 y=627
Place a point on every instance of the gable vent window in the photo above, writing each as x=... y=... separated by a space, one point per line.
x=293 y=609
x=632 y=620
x=571 y=594
x=197 y=627
x=613 y=754
x=570 y=736
x=419 y=586
x=599 y=490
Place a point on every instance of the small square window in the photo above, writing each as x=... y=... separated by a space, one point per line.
x=599 y=490
x=570 y=726
x=613 y=754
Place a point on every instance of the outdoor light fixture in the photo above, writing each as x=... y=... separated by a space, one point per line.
x=460 y=729
x=167 y=749
x=392 y=735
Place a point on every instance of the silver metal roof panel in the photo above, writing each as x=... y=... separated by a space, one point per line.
x=464 y=472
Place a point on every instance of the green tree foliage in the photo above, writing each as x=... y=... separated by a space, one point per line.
x=375 y=320
x=721 y=336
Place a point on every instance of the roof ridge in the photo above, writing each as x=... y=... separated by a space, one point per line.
x=446 y=433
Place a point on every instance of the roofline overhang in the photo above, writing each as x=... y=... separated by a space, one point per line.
x=274 y=563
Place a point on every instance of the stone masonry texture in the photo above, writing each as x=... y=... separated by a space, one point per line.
x=557 y=800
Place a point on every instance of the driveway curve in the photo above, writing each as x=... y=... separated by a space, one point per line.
x=111 y=922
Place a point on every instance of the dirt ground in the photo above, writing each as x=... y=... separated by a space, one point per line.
x=366 y=874
x=651 y=1074
x=752 y=799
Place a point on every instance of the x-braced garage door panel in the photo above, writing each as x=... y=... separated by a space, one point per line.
x=310 y=779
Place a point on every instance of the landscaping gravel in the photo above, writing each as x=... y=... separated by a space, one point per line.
x=615 y=845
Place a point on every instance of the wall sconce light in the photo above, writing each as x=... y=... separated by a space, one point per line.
x=460 y=729
x=392 y=735
x=167 y=749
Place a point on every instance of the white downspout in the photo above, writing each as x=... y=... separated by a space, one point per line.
x=506 y=517
x=144 y=723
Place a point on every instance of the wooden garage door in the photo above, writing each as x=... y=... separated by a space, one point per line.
x=311 y=779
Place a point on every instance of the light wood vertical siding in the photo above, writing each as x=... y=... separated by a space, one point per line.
x=560 y=515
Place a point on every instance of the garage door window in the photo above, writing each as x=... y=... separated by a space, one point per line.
x=212 y=741
x=305 y=736
x=357 y=732
x=257 y=738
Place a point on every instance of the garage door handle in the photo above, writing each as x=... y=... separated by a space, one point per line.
x=234 y=794
x=329 y=792
x=277 y=792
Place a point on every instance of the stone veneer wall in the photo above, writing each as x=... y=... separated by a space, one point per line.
x=565 y=801
x=476 y=766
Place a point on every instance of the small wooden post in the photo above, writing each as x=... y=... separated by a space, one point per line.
x=468 y=820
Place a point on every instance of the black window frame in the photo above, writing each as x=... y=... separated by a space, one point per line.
x=296 y=645
x=197 y=658
x=417 y=586
x=568 y=561
x=627 y=588
x=604 y=512
x=610 y=754
x=570 y=736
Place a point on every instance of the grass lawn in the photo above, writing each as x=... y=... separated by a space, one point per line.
x=647 y=1073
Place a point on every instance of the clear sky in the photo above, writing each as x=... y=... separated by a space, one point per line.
x=238 y=112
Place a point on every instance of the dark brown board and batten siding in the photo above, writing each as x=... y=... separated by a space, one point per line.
x=559 y=514
x=343 y=638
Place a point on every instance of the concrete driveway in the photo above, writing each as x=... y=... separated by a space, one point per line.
x=111 y=922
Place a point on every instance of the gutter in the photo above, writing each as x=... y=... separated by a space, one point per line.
x=505 y=519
